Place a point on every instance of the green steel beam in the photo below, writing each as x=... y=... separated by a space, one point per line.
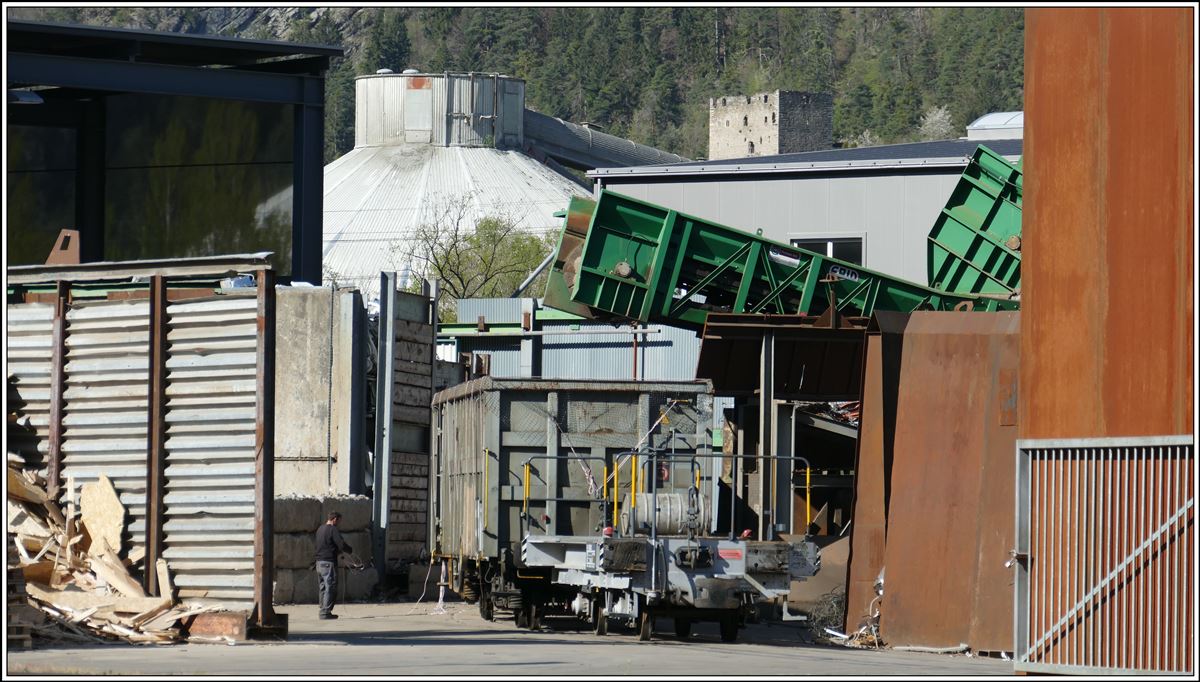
x=628 y=259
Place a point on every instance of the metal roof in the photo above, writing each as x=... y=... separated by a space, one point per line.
x=999 y=119
x=376 y=196
x=938 y=153
x=149 y=46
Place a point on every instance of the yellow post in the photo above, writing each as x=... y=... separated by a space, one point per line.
x=604 y=488
x=697 y=479
x=634 y=483
x=525 y=490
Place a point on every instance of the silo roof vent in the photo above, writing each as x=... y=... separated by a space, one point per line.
x=384 y=71
x=410 y=71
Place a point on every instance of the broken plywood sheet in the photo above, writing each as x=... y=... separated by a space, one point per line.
x=21 y=522
x=79 y=600
x=103 y=514
x=106 y=565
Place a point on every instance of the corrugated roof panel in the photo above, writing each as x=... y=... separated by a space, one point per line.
x=376 y=196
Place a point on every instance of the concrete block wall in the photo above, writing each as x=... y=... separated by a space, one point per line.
x=296 y=521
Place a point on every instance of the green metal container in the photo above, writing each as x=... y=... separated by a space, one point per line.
x=975 y=244
x=629 y=259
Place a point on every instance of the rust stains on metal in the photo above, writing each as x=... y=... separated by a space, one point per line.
x=1109 y=223
x=264 y=454
x=420 y=83
x=58 y=383
x=950 y=514
x=157 y=432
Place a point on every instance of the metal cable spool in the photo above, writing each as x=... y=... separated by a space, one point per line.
x=672 y=513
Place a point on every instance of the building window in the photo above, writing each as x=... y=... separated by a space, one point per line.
x=722 y=101
x=745 y=120
x=847 y=249
x=772 y=117
x=751 y=148
x=764 y=119
x=747 y=100
x=726 y=123
x=764 y=99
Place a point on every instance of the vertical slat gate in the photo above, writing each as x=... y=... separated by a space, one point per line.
x=1105 y=539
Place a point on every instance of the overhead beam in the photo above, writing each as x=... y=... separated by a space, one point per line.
x=161 y=79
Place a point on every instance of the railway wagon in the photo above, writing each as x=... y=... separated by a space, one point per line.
x=595 y=499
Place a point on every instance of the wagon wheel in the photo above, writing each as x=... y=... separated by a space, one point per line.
x=645 y=626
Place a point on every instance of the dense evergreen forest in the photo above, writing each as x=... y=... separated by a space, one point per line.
x=897 y=73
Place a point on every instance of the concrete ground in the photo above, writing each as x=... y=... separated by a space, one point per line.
x=408 y=639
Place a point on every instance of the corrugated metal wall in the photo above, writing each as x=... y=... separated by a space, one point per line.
x=106 y=418
x=29 y=328
x=210 y=472
x=456 y=109
x=1108 y=314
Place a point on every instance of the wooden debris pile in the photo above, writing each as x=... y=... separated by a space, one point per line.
x=75 y=585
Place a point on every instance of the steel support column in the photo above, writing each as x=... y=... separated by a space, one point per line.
x=264 y=454
x=766 y=435
x=157 y=433
x=308 y=177
x=90 y=177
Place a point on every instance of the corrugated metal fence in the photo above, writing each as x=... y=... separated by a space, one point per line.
x=1105 y=542
x=171 y=398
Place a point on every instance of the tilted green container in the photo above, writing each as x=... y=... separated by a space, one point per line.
x=975 y=244
x=629 y=259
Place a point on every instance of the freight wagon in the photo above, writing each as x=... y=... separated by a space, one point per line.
x=595 y=499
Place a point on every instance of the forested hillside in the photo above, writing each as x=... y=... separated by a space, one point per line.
x=646 y=73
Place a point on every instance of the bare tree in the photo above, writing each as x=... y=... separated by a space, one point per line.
x=473 y=256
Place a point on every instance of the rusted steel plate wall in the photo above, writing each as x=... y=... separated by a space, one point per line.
x=1107 y=307
x=873 y=462
x=950 y=522
x=210 y=447
x=1106 y=532
x=867 y=537
x=106 y=418
x=29 y=327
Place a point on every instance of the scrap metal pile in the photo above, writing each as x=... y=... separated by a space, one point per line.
x=66 y=561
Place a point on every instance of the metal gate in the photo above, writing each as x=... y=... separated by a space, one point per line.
x=1105 y=541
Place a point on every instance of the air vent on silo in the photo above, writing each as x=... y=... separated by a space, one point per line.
x=410 y=71
x=380 y=71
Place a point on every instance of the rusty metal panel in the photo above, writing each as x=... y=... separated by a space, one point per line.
x=1109 y=203
x=873 y=463
x=870 y=518
x=949 y=512
x=1106 y=562
x=29 y=327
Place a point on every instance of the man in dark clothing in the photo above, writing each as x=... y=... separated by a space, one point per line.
x=329 y=543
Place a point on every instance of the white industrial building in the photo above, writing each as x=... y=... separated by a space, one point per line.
x=869 y=205
x=450 y=146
